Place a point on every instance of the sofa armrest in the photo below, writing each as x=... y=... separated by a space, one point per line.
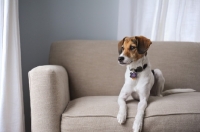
x=49 y=95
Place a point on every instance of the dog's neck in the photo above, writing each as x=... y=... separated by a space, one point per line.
x=140 y=62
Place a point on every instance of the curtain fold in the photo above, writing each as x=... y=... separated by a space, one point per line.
x=160 y=20
x=11 y=94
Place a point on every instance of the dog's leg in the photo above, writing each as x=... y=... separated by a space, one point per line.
x=124 y=94
x=137 y=126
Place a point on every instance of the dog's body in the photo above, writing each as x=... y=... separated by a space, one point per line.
x=140 y=80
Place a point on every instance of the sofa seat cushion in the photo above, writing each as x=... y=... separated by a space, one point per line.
x=176 y=112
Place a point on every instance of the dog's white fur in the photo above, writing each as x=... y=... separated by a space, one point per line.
x=140 y=88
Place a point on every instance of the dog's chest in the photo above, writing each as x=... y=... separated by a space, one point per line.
x=136 y=82
x=132 y=82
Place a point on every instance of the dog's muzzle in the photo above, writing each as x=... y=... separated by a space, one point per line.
x=121 y=59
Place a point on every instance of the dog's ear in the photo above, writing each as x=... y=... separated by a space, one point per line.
x=120 y=45
x=143 y=44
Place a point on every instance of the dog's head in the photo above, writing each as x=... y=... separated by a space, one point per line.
x=132 y=48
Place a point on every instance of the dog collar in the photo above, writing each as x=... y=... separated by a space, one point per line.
x=133 y=73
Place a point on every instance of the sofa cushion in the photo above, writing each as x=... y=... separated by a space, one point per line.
x=98 y=113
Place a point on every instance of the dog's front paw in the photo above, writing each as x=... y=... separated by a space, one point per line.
x=121 y=117
x=137 y=127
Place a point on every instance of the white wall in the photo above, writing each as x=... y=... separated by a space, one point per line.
x=45 y=21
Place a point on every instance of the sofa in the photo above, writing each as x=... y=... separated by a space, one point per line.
x=78 y=90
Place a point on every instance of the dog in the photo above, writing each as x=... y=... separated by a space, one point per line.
x=140 y=80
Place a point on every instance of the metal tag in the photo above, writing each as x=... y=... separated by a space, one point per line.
x=133 y=75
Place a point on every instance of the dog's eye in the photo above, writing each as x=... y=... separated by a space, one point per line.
x=122 y=48
x=132 y=47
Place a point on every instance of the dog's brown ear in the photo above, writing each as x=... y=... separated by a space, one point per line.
x=143 y=44
x=120 y=45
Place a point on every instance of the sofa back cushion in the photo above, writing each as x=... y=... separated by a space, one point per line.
x=93 y=68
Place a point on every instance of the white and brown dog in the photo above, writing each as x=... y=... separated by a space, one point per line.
x=140 y=80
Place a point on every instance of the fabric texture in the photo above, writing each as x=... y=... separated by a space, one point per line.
x=49 y=95
x=11 y=94
x=169 y=123
x=98 y=113
x=160 y=20
x=94 y=71
x=91 y=65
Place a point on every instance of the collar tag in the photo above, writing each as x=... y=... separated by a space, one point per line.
x=133 y=75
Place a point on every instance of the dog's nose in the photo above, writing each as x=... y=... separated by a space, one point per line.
x=121 y=58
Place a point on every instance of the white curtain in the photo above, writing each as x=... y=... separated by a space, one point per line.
x=161 y=20
x=11 y=95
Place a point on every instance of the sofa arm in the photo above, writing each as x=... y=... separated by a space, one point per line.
x=49 y=95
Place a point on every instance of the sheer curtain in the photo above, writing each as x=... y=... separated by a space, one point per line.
x=162 y=20
x=11 y=95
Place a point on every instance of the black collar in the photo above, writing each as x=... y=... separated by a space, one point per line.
x=139 y=69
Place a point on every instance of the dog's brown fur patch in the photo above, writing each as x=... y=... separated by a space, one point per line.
x=140 y=43
x=143 y=44
x=131 y=53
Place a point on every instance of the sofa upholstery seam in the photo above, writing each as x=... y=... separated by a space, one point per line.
x=133 y=117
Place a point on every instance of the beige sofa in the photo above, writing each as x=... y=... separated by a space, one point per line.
x=77 y=91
